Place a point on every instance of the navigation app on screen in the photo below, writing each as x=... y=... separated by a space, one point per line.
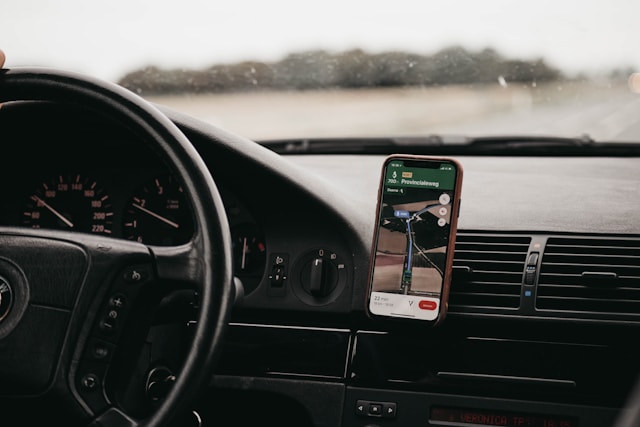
x=414 y=225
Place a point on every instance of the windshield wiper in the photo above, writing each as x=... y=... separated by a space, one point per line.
x=456 y=145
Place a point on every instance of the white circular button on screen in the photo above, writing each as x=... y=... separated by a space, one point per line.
x=444 y=199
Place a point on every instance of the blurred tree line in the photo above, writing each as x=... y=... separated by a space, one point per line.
x=320 y=69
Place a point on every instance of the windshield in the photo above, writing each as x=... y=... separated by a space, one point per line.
x=286 y=69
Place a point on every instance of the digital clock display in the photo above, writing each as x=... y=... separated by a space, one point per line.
x=482 y=417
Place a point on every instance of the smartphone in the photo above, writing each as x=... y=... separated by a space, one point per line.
x=414 y=238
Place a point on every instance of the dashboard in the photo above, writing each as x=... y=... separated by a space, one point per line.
x=79 y=172
x=509 y=353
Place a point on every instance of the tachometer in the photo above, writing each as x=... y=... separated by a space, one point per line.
x=157 y=214
x=70 y=202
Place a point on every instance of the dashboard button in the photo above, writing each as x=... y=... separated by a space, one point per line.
x=118 y=301
x=136 y=275
x=375 y=409
x=90 y=382
x=100 y=350
x=389 y=410
x=108 y=326
x=277 y=276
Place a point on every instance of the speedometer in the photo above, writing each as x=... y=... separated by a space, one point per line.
x=69 y=202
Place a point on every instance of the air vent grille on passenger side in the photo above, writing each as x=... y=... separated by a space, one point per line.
x=488 y=271
x=590 y=277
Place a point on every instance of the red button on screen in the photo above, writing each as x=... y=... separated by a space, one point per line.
x=427 y=305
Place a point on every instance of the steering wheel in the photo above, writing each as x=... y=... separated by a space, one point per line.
x=71 y=301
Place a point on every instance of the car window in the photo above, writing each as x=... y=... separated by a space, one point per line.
x=282 y=69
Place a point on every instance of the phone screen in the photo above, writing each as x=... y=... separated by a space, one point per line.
x=414 y=238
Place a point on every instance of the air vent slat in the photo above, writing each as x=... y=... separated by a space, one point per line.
x=586 y=305
x=595 y=300
x=480 y=283
x=633 y=260
x=489 y=271
x=487 y=300
x=568 y=268
x=595 y=277
x=610 y=262
x=482 y=260
x=507 y=270
x=597 y=250
x=477 y=247
x=563 y=277
x=484 y=289
x=489 y=255
x=598 y=293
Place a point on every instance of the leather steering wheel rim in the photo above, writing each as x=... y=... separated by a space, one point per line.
x=208 y=256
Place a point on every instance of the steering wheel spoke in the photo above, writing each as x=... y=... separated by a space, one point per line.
x=114 y=417
x=180 y=263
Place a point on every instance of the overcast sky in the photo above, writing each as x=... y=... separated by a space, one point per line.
x=109 y=38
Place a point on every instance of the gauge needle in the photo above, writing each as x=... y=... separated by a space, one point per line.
x=244 y=253
x=155 y=215
x=53 y=211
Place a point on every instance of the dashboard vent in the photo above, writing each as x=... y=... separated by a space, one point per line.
x=591 y=276
x=488 y=271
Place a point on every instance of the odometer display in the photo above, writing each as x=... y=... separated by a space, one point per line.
x=70 y=202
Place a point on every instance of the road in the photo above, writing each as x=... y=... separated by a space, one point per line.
x=603 y=110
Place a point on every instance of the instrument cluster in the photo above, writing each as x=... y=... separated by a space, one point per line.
x=149 y=207
x=155 y=213
x=86 y=174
